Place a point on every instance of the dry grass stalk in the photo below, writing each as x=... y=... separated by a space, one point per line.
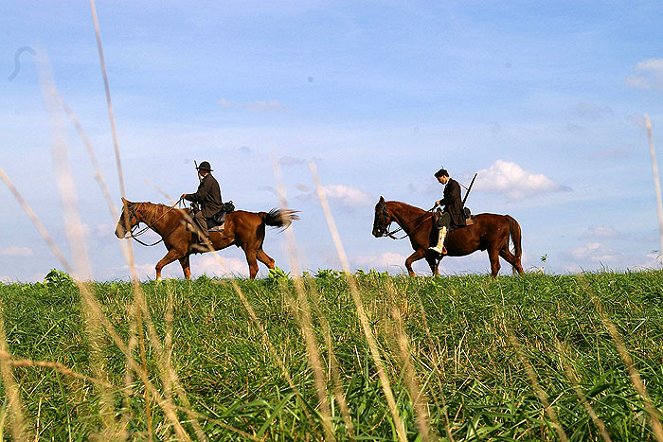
x=419 y=399
x=361 y=312
x=639 y=386
x=140 y=303
x=538 y=390
x=91 y=305
x=305 y=321
x=337 y=386
x=59 y=367
x=109 y=101
x=657 y=181
x=563 y=351
x=76 y=234
x=19 y=426
x=168 y=374
x=270 y=346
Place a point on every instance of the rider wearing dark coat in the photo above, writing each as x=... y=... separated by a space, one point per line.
x=453 y=204
x=208 y=196
x=452 y=216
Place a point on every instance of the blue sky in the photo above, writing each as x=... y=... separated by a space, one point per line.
x=545 y=100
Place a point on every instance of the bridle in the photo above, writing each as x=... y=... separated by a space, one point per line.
x=134 y=234
x=384 y=225
x=392 y=234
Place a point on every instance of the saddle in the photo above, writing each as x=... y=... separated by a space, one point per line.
x=469 y=218
x=467 y=214
x=215 y=224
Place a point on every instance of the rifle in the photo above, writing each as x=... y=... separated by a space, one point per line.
x=469 y=188
x=197 y=174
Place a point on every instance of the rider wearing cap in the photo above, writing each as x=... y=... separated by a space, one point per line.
x=452 y=216
x=208 y=196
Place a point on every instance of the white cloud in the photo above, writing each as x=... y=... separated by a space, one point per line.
x=514 y=182
x=212 y=265
x=600 y=232
x=387 y=260
x=347 y=196
x=16 y=251
x=206 y=264
x=594 y=252
x=650 y=74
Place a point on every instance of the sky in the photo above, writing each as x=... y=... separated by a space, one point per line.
x=545 y=101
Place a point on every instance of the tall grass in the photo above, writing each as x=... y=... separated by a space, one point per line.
x=461 y=370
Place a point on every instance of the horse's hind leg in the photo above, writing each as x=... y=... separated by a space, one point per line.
x=494 y=256
x=265 y=258
x=511 y=259
x=251 y=260
x=186 y=267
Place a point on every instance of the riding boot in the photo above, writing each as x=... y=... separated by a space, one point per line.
x=439 y=248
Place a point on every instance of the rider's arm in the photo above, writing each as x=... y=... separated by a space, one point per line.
x=452 y=193
x=201 y=193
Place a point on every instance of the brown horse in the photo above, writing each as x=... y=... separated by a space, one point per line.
x=242 y=229
x=488 y=232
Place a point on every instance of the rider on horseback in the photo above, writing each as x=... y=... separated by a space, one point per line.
x=208 y=196
x=452 y=216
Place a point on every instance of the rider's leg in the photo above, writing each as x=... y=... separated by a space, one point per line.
x=202 y=224
x=439 y=247
x=442 y=224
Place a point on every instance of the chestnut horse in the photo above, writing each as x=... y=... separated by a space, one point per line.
x=242 y=229
x=488 y=232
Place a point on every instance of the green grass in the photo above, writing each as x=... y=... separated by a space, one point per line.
x=471 y=339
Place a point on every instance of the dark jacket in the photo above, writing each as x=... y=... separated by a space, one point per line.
x=453 y=203
x=208 y=196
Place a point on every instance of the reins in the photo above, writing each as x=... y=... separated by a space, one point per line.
x=147 y=227
x=393 y=232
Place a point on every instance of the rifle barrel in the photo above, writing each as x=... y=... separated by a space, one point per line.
x=469 y=188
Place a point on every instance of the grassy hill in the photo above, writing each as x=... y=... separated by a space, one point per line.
x=370 y=357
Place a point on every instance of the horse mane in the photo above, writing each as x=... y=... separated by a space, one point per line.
x=154 y=211
x=409 y=206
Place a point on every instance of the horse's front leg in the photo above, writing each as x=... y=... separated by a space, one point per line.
x=416 y=256
x=186 y=266
x=171 y=256
x=434 y=264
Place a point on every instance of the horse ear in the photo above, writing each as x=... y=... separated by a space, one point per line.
x=381 y=199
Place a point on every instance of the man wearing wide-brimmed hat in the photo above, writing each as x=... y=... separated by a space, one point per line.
x=208 y=196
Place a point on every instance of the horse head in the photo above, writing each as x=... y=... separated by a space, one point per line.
x=382 y=219
x=128 y=219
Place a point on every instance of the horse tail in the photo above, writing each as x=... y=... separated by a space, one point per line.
x=279 y=217
x=516 y=237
